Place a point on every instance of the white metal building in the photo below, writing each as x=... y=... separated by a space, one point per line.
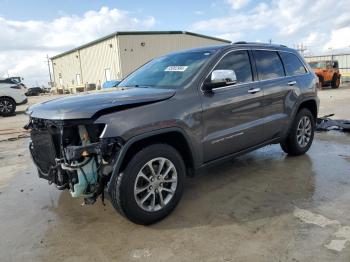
x=115 y=56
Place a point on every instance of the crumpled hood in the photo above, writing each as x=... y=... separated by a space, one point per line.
x=84 y=106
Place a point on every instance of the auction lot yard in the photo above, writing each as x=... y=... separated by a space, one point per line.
x=264 y=206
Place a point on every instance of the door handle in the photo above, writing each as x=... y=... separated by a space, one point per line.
x=292 y=83
x=254 y=90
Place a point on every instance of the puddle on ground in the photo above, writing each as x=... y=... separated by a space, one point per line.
x=244 y=204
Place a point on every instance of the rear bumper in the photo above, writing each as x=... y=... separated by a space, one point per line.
x=25 y=101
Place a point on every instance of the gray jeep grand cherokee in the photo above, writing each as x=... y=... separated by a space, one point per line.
x=172 y=117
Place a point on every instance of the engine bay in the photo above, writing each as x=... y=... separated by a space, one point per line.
x=73 y=156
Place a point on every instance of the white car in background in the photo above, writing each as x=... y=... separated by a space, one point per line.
x=11 y=95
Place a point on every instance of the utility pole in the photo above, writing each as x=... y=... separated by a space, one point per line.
x=48 y=65
x=301 y=48
x=331 y=49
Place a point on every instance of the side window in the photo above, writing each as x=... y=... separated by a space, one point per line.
x=292 y=64
x=239 y=62
x=269 y=64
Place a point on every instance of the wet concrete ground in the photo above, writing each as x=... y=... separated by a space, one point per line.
x=264 y=206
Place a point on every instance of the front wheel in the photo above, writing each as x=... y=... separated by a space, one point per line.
x=335 y=81
x=151 y=185
x=301 y=134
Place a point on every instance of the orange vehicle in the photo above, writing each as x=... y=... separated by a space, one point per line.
x=327 y=72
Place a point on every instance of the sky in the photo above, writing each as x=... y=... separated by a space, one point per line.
x=31 y=30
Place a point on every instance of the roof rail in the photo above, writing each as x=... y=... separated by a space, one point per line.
x=256 y=43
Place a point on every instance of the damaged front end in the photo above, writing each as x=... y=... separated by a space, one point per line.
x=72 y=155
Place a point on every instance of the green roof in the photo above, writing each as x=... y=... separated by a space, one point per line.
x=139 y=33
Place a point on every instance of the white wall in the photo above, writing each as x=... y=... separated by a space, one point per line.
x=120 y=54
x=67 y=67
x=97 y=58
x=133 y=54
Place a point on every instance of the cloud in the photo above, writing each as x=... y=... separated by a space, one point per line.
x=24 y=44
x=234 y=37
x=319 y=23
x=199 y=12
x=340 y=38
x=237 y=4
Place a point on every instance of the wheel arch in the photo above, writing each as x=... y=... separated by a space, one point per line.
x=310 y=104
x=8 y=97
x=175 y=137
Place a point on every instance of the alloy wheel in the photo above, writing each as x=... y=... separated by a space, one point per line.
x=304 y=131
x=155 y=184
x=6 y=106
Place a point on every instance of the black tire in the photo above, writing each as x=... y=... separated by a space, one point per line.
x=335 y=81
x=7 y=106
x=291 y=145
x=321 y=81
x=122 y=191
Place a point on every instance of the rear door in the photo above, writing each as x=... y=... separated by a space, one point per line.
x=231 y=114
x=278 y=92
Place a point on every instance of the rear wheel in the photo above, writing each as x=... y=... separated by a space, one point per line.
x=301 y=134
x=151 y=185
x=335 y=81
x=7 y=106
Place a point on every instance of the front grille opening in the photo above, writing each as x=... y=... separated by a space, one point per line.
x=44 y=151
x=50 y=138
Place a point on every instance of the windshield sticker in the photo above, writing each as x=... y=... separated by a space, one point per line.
x=176 y=69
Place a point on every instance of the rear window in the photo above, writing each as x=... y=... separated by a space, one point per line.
x=269 y=64
x=292 y=64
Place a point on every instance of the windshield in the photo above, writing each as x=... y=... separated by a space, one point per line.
x=315 y=65
x=172 y=71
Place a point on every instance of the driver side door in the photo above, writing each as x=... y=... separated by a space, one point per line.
x=232 y=114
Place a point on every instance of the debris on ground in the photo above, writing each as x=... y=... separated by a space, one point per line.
x=325 y=123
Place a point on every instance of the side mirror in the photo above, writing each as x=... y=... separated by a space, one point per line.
x=110 y=84
x=220 y=78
